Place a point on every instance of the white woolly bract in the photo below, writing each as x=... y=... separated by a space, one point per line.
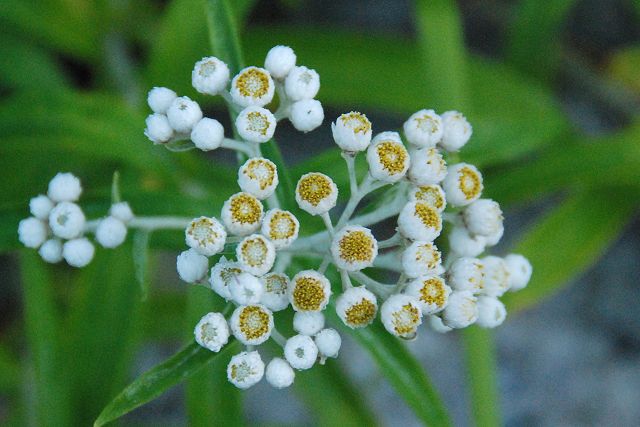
x=51 y=251
x=520 y=271
x=430 y=291
x=494 y=238
x=32 y=232
x=78 y=252
x=258 y=176
x=354 y=248
x=466 y=274
x=242 y=214
x=328 y=342
x=457 y=131
x=256 y=254
x=491 y=312
x=423 y=129
x=160 y=99
x=64 y=187
x=158 y=129
x=352 y=131
x=432 y=194
x=212 y=332
x=111 y=232
x=183 y=114
x=207 y=134
x=281 y=227
x=427 y=167
x=251 y=324
x=221 y=275
x=401 y=315
x=421 y=258
x=463 y=184
x=496 y=276
x=279 y=373
x=40 y=207
x=205 y=235
x=245 y=369
x=483 y=217
x=306 y=115
x=256 y=124
x=210 y=76
x=464 y=244
x=67 y=220
x=121 y=211
x=302 y=83
x=191 y=266
x=308 y=322
x=353 y=306
x=280 y=61
x=419 y=221
x=436 y=323
x=461 y=310
x=387 y=157
x=316 y=193
x=301 y=352
x=245 y=288
x=309 y=291
x=275 y=296
x=253 y=86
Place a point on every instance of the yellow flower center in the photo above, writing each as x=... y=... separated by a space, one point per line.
x=275 y=284
x=426 y=123
x=254 y=251
x=431 y=195
x=361 y=313
x=202 y=231
x=358 y=122
x=254 y=322
x=428 y=255
x=432 y=292
x=406 y=319
x=253 y=82
x=393 y=156
x=469 y=183
x=207 y=68
x=308 y=293
x=258 y=122
x=314 y=188
x=356 y=246
x=229 y=273
x=281 y=226
x=428 y=215
x=262 y=171
x=246 y=209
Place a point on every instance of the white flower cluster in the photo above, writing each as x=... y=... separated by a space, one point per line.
x=58 y=225
x=248 y=93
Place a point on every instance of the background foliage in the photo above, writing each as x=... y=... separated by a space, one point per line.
x=73 y=78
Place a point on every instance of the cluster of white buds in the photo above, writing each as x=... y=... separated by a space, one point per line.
x=248 y=93
x=58 y=225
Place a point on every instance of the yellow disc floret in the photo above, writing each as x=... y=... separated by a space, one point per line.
x=254 y=322
x=393 y=156
x=314 y=188
x=253 y=82
x=361 y=313
x=245 y=209
x=469 y=183
x=308 y=294
x=356 y=246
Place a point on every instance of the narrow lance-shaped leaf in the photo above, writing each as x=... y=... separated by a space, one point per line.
x=141 y=260
x=156 y=381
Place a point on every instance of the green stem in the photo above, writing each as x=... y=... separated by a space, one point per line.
x=481 y=374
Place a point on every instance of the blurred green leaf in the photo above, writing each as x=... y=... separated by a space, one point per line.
x=223 y=34
x=442 y=47
x=42 y=323
x=327 y=387
x=156 y=381
x=570 y=239
x=481 y=376
x=611 y=160
x=534 y=43
x=623 y=66
x=141 y=260
x=210 y=398
x=286 y=188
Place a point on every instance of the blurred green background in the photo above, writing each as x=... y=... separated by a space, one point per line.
x=552 y=90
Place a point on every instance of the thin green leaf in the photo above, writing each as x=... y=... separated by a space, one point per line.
x=116 y=196
x=51 y=400
x=444 y=55
x=223 y=33
x=481 y=375
x=211 y=399
x=570 y=239
x=141 y=261
x=286 y=188
x=188 y=361
x=534 y=45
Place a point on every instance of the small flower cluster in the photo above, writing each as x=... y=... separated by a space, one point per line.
x=58 y=225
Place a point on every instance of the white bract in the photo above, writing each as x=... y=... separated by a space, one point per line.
x=496 y=276
x=436 y=323
x=258 y=176
x=424 y=129
x=387 y=157
x=212 y=332
x=301 y=83
x=158 y=128
x=357 y=307
x=464 y=244
x=205 y=235
x=40 y=207
x=280 y=61
x=352 y=132
x=160 y=99
x=308 y=322
x=207 y=134
x=328 y=342
x=354 y=248
x=520 y=271
x=245 y=369
x=279 y=373
x=306 y=115
x=256 y=124
x=210 y=76
x=67 y=220
x=78 y=252
x=192 y=266
x=183 y=114
x=51 y=251
x=491 y=312
x=457 y=131
x=121 y=211
x=427 y=167
x=64 y=187
x=301 y=352
x=252 y=86
x=111 y=232
x=32 y=232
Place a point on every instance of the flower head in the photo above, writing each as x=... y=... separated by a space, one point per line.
x=309 y=291
x=275 y=296
x=424 y=129
x=222 y=274
x=279 y=373
x=457 y=131
x=301 y=352
x=252 y=86
x=430 y=291
x=316 y=193
x=421 y=258
x=463 y=184
x=357 y=307
x=210 y=76
x=280 y=61
x=205 y=235
x=419 y=221
x=212 y=331
x=401 y=315
x=183 y=114
x=256 y=254
x=387 y=158
x=354 y=248
x=258 y=176
x=431 y=194
x=242 y=214
x=461 y=310
x=251 y=324
x=245 y=369
x=256 y=124
x=281 y=227
x=352 y=131
x=427 y=167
